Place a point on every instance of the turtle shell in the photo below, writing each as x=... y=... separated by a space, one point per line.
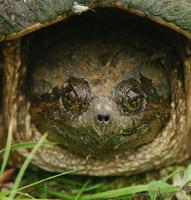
x=19 y=19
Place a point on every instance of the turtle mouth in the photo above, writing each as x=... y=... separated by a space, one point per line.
x=88 y=142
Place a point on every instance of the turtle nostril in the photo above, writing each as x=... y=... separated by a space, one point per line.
x=100 y=118
x=107 y=118
x=103 y=118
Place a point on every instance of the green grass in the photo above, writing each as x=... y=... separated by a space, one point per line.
x=29 y=184
x=7 y=150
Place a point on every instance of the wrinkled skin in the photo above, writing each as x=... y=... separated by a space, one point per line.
x=101 y=97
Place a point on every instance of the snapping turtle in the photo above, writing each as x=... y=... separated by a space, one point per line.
x=110 y=85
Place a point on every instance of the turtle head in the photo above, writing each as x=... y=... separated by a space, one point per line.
x=112 y=111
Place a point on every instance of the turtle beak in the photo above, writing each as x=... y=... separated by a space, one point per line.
x=103 y=114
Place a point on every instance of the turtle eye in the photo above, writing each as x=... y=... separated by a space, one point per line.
x=76 y=95
x=132 y=100
x=129 y=96
x=69 y=98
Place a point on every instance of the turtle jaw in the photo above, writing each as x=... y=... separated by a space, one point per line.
x=88 y=135
x=101 y=143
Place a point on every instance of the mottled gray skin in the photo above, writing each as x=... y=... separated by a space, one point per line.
x=101 y=97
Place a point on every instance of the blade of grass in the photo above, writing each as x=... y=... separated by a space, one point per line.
x=24 y=195
x=186 y=176
x=3 y=194
x=60 y=195
x=45 y=188
x=24 y=167
x=103 y=195
x=165 y=179
x=25 y=145
x=126 y=191
x=87 y=189
x=46 y=179
x=116 y=192
x=82 y=189
x=7 y=149
x=69 y=182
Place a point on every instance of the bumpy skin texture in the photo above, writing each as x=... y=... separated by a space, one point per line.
x=154 y=62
